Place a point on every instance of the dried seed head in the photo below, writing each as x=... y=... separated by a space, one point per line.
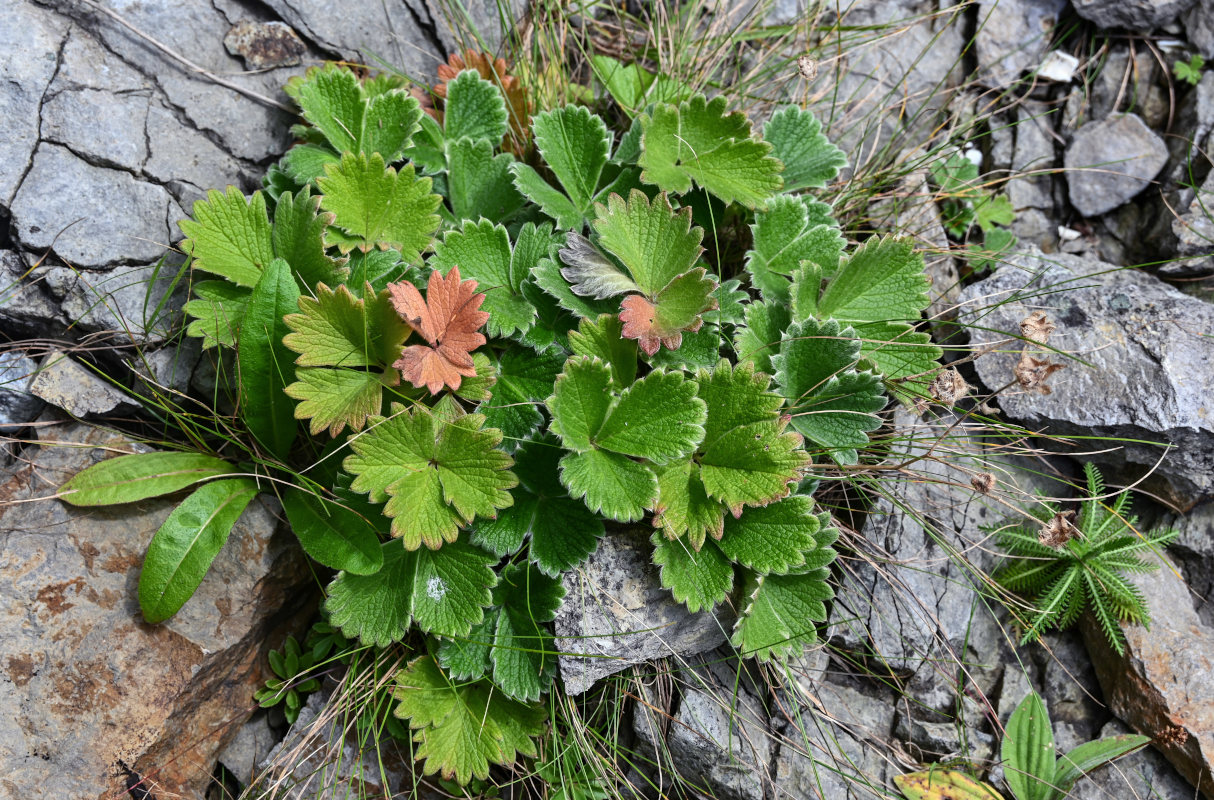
x=1031 y=373
x=1059 y=530
x=1037 y=327
x=807 y=67
x=948 y=387
x=1172 y=736
x=983 y=482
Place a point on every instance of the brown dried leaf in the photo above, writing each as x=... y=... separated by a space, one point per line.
x=496 y=71
x=447 y=319
x=1059 y=530
x=983 y=483
x=1031 y=372
x=1037 y=327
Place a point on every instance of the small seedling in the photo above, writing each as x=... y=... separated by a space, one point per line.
x=1189 y=71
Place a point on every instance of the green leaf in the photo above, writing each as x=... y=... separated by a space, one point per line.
x=994 y=211
x=377 y=207
x=783 y=239
x=609 y=483
x=774 y=538
x=523 y=381
x=441 y=591
x=475 y=109
x=550 y=200
x=304 y=163
x=334 y=399
x=1090 y=755
x=697 y=578
x=831 y=404
x=655 y=243
x=479 y=183
x=524 y=652
x=658 y=418
x=230 y=236
x=684 y=507
x=575 y=144
x=127 y=479
x=1028 y=751
x=759 y=339
x=217 y=309
x=731 y=304
x=698 y=141
x=299 y=239
x=580 y=401
x=182 y=550
x=482 y=252
x=463 y=728
x=881 y=281
x=436 y=475
x=602 y=339
x=376 y=268
x=900 y=352
x=806 y=286
x=627 y=84
x=338 y=329
x=699 y=349
x=779 y=614
x=810 y=160
x=467 y=658
x=331 y=534
x=332 y=99
x=264 y=361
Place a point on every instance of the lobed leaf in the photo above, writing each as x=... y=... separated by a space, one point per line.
x=375 y=206
x=778 y=618
x=810 y=160
x=697 y=578
x=229 y=236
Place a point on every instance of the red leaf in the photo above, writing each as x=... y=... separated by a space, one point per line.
x=447 y=319
x=638 y=316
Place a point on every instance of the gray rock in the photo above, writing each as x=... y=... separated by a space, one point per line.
x=1034 y=153
x=32 y=39
x=103 y=127
x=86 y=64
x=1199 y=27
x=86 y=682
x=1070 y=689
x=168 y=370
x=1137 y=15
x=1194 y=231
x=1163 y=686
x=473 y=22
x=264 y=45
x=1013 y=37
x=189 y=163
x=617 y=614
x=128 y=304
x=249 y=747
x=1143 y=774
x=65 y=383
x=1110 y=161
x=25 y=305
x=121 y=219
x=17 y=405
x=906 y=599
x=1150 y=374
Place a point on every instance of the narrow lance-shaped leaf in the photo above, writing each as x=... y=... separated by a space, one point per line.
x=265 y=362
x=331 y=534
x=127 y=479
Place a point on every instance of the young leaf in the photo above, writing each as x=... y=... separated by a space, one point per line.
x=463 y=728
x=482 y=253
x=774 y=538
x=1090 y=755
x=376 y=206
x=524 y=652
x=475 y=109
x=447 y=319
x=127 y=479
x=581 y=398
x=441 y=591
x=299 y=239
x=435 y=475
x=603 y=339
x=479 y=183
x=810 y=160
x=182 y=550
x=780 y=612
x=698 y=141
x=697 y=578
x=331 y=534
x=590 y=273
x=1028 y=751
x=230 y=236
x=265 y=362
x=547 y=275
x=831 y=404
x=217 y=309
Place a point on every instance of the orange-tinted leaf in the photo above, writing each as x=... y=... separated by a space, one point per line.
x=640 y=323
x=448 y=319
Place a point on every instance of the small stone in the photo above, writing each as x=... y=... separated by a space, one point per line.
x=1058 y=66
x=64 y=382
x=25 y=307
x=1144 y=774
x=1194 y=231
x=265 y=45
x=17 y=405
x=1137 y=15
x=1012 y=37
x=137 y=304
x=1110 y=161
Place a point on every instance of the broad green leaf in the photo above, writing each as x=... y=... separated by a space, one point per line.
x=753 y=464
x=550 y=200
x=299 y=239
x=602 y=339
x=831 y=404
x=778 y=617
x=479 y=183
x=580 y=401
x=127 y=479
x=628 y=84
x=701 y=349
x=333 y=399
x=609 y=483
x=217 y=309
x=994 y=211
x=575 y=144
x=783 y=238
x=810 y=160
x=376 y=268
x=436 y=475
x=428 y=148
x=264 y=362
x=736 y=396
x=378 y=207
x=699 y=141
x=759 y=339
x=658 y=418
x=684 y=507
x=390 y=121
x=304 y=163
x=899 y=351
x=524 y=652
x=351 y=119
x=331 y=534
x=806 y=286
x=182 y=550
x=882 y=280
x=697 y=578
x=441 y=591
x=943 y=784
x=475 y=108
x=731 y=304
x=477 y=388
x=773 y=538
x=482 y=252
x=524 y=380
x=338 y=329
x=467 y=658
x=462 y=727
x=1028 y=751
x=532 y=244
x=655 y=243
x=230 y=236
x=1090 y=755
x=590 y=273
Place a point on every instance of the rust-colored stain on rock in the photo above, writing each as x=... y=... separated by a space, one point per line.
x=20 y=669
x=54 y=596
